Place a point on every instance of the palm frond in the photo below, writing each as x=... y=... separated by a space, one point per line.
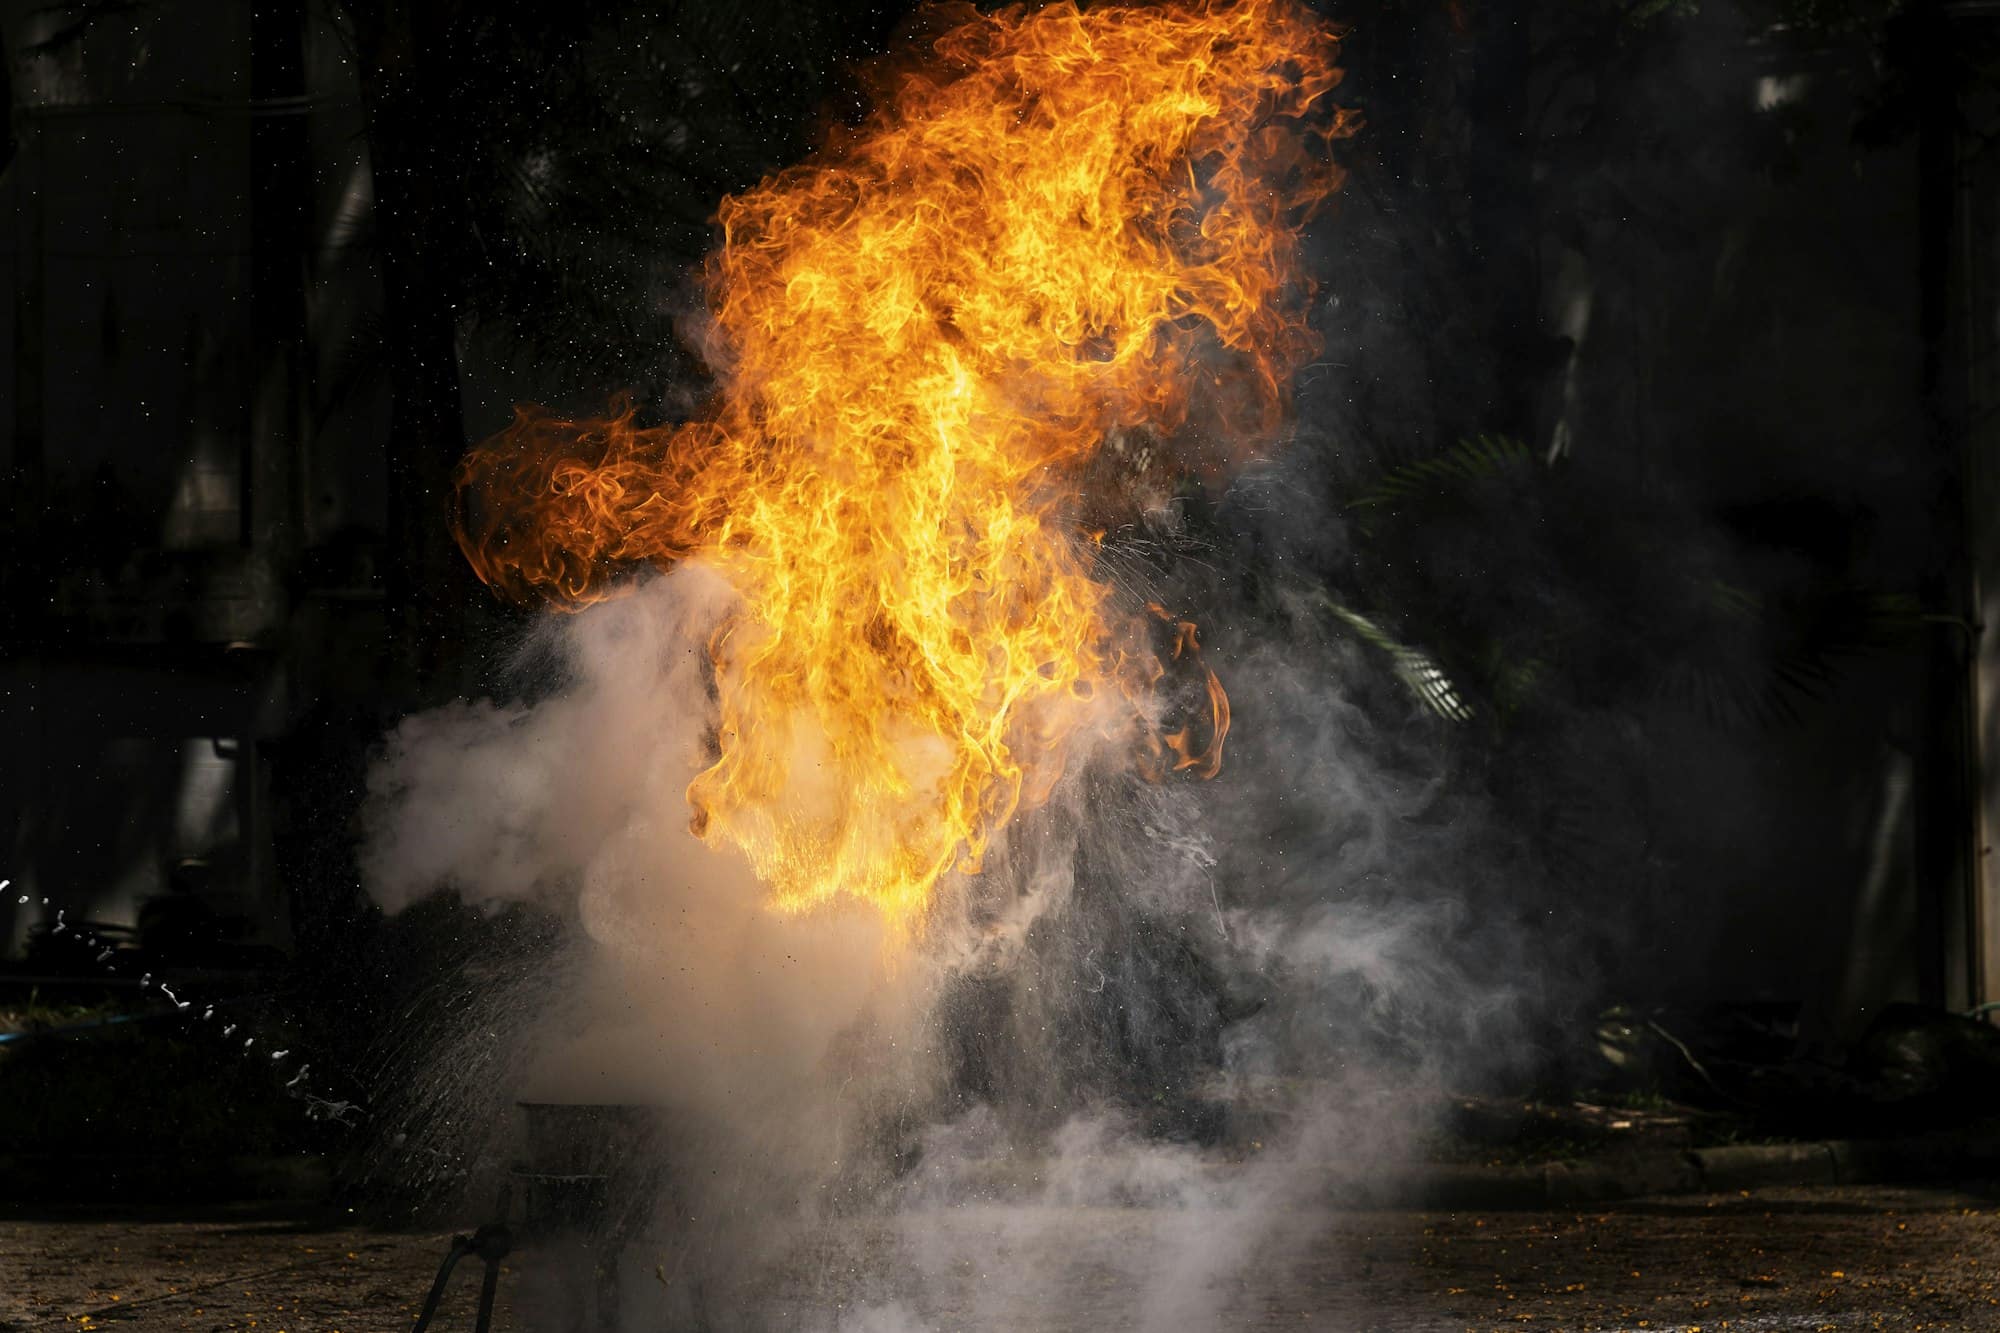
x=1418 y=671
x=1761 y=664
x=1468 y=463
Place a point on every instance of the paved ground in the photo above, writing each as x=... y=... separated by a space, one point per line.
x=1893 y=1259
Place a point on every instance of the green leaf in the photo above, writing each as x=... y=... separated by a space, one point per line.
x=1458 y=469
x=1416 y=669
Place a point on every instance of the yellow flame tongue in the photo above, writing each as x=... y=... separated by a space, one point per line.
x=1067 y=223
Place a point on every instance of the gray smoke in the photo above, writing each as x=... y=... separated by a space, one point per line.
x=1201 y=1010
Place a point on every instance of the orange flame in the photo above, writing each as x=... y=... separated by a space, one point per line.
x=1071 y=222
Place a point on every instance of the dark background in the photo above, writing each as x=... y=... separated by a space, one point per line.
x=1654 y=417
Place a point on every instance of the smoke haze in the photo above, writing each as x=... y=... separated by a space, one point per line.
x=1225 y=1004
x=1214 y=1007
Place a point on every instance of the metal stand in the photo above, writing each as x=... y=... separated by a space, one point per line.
x=492 y=1244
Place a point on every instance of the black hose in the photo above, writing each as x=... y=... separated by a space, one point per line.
x=460 y=1247
x=491 y=1243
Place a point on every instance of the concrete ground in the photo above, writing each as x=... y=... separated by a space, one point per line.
x=1774 y=1259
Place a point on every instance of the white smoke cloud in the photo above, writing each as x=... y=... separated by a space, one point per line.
x=769 y=1037
x=1266 y=957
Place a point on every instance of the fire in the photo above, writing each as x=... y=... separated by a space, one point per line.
x=1069 y=224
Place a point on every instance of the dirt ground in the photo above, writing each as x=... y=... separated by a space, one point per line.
x=1780 y=1259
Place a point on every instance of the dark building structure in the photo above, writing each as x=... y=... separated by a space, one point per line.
x=194 y=440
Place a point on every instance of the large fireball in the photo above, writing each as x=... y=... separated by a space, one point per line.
x=1062 y=226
